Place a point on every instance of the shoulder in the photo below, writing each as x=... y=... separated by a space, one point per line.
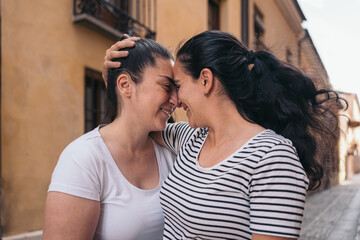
x=84 y=149
x=183 y=128
x=165 y=157
x=269 y=141
x=85 y=142
x=278 y=143
x=178 y=126
x=79 y=169
x=279 y=158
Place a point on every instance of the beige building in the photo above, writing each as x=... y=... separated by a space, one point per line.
x=51 y=87
x=349 y=141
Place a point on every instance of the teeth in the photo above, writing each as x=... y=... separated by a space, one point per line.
x=168 y=113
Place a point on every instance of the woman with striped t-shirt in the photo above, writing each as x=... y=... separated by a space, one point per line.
x=246 y=158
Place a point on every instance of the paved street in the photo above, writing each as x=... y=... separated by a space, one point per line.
x=333 y=214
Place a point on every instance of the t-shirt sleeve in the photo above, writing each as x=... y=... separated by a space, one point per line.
x=277 y=193
x=76 y=173
x=175 y=135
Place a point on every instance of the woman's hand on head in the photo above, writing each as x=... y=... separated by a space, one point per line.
x=113 y=52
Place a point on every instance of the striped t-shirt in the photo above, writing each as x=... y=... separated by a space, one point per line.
x=261 y=188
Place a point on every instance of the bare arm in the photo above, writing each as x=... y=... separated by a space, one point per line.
x=69 y=217
x=113 y=52
x=268 y=237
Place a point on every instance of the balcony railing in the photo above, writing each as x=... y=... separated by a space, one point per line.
x=116 y=17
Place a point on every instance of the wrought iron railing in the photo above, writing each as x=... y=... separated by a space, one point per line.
x=122 y=15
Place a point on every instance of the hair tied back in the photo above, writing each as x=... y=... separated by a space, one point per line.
x=250 y=57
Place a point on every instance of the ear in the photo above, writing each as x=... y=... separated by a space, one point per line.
x=207 y=80
x=124 y=85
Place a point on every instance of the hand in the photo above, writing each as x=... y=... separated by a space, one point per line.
x=113 y=52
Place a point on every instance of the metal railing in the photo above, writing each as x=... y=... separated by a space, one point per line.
x=135 y=18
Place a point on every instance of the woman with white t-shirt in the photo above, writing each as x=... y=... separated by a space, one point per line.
x=247 y=156
x=106 y=183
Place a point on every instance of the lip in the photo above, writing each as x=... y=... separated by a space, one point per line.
x=184 y=107
x=167 y=111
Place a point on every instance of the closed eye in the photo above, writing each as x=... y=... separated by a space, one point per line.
x=167 y=87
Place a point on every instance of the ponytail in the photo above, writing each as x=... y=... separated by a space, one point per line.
x=268 y=92
x=288 y=102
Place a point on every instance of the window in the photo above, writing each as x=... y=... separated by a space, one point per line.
x=289 y=56
x=259 y=29
x=214 y=15
x=95 y=99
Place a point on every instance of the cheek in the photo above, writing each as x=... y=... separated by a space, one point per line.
x=180 y=94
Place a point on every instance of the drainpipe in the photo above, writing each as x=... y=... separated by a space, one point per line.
x=0 y=130
x=306 y=36
x=245 y=22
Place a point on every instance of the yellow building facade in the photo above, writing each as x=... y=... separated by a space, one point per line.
x=51 y=59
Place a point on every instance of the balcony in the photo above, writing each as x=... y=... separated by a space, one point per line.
x=113 y=18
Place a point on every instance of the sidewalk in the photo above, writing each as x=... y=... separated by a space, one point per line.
x=333 y=214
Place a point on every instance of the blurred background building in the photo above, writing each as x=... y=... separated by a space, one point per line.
x=349 y=141
x=52 y=92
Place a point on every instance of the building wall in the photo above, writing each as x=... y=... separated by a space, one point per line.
x=44 y=55
x=278 y=34
x=349 y=138
x=180 y=20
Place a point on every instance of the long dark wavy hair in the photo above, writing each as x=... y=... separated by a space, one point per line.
x=268 y=92
x=142 y=55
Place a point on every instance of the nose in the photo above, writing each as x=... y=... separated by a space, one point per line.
x=174 y=100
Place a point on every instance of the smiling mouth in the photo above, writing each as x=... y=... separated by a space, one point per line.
x=168 y=112
x=185 y=107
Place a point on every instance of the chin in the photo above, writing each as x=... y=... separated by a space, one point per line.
x=160 y=126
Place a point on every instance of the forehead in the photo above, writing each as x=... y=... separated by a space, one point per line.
x=161 y=67
x=178 y=70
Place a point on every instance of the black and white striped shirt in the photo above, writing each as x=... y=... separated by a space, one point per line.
x=261 y=188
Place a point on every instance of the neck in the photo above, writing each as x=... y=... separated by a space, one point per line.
x=127 y=135
x=226 y=124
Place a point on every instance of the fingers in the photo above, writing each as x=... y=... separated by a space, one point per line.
x=110 y=55
x=129 y=42
x=113 y=51
x=106 y=66
x=109 y=64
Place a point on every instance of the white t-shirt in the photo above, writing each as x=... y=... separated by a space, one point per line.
x=86 y=169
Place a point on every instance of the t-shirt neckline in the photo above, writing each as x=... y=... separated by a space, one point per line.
x=113 y=163
x=198 y=166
